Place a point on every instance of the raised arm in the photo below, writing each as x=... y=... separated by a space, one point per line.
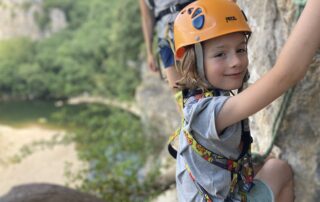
x=147 y=20
x=290 y=67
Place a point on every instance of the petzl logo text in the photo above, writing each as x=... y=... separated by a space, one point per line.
x=231 y=18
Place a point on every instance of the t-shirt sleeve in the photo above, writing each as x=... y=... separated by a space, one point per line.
x=201 y=116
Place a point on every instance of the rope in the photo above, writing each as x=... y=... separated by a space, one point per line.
x=299 y=7
x=259 y=158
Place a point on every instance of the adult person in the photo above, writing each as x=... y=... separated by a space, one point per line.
x=158 y=16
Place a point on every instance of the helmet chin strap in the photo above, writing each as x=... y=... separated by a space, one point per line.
x=200 y=64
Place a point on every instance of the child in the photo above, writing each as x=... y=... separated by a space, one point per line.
x=214 y=161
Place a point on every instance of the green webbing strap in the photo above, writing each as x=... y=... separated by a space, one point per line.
x=300 y=5
x=300 y=2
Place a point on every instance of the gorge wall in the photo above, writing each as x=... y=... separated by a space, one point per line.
x=18 y=18
x=293 y=118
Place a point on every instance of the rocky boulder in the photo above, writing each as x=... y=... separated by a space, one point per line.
x=46 y=193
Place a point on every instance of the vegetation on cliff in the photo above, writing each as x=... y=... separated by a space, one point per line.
x=113 y=143
x=97 y=55
x=92 y=55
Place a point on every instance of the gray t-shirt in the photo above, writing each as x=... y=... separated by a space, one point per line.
x=200 y=118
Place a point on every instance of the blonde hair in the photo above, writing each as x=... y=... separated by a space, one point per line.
x=187 y=68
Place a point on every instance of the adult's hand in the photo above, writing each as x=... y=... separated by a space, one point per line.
x=152 y=65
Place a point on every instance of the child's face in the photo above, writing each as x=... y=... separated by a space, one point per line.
x=226 y=61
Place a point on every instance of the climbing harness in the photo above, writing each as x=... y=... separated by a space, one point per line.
x=241 y=169
x=201 y=190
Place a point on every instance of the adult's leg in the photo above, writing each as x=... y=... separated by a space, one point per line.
x=167 y=57
x=279 y=176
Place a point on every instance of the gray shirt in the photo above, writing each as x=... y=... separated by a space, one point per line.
x=200 y=118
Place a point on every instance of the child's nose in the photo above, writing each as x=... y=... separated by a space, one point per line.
x=235 y=60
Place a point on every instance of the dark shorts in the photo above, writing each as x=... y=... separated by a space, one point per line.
x=166 y=54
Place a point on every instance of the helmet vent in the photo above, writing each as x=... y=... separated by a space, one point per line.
x=198 y=19
x=197 y=12
x=190 y=10
x=198 y=22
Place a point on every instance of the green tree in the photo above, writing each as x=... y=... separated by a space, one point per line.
x=113 y=143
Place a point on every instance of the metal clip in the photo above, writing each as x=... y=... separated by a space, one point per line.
x=173 y=8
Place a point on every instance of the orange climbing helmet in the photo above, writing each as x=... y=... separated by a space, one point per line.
x=207 y=19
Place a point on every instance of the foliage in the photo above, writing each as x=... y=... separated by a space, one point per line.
x=111 y=141
x=15 y=54
x=116 y=149
x=90 y=55
x=300 y=4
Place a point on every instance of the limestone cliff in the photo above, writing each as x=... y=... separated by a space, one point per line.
x=18 y=19
x=294 y=118
x=299 y=131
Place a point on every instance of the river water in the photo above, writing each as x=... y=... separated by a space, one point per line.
x=21 y=113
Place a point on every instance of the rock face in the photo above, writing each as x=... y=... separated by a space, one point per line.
x=298 y=131
x=270 y=22
x=296 y=128
x=299 y=136
x=46 y=193
x=160 y=117
x=156 y=102
x=18 y=19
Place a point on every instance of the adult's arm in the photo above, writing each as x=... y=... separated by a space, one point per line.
x=147 y=20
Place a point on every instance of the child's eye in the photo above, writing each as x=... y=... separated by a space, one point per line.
x=242 y=50
x=219 y=55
